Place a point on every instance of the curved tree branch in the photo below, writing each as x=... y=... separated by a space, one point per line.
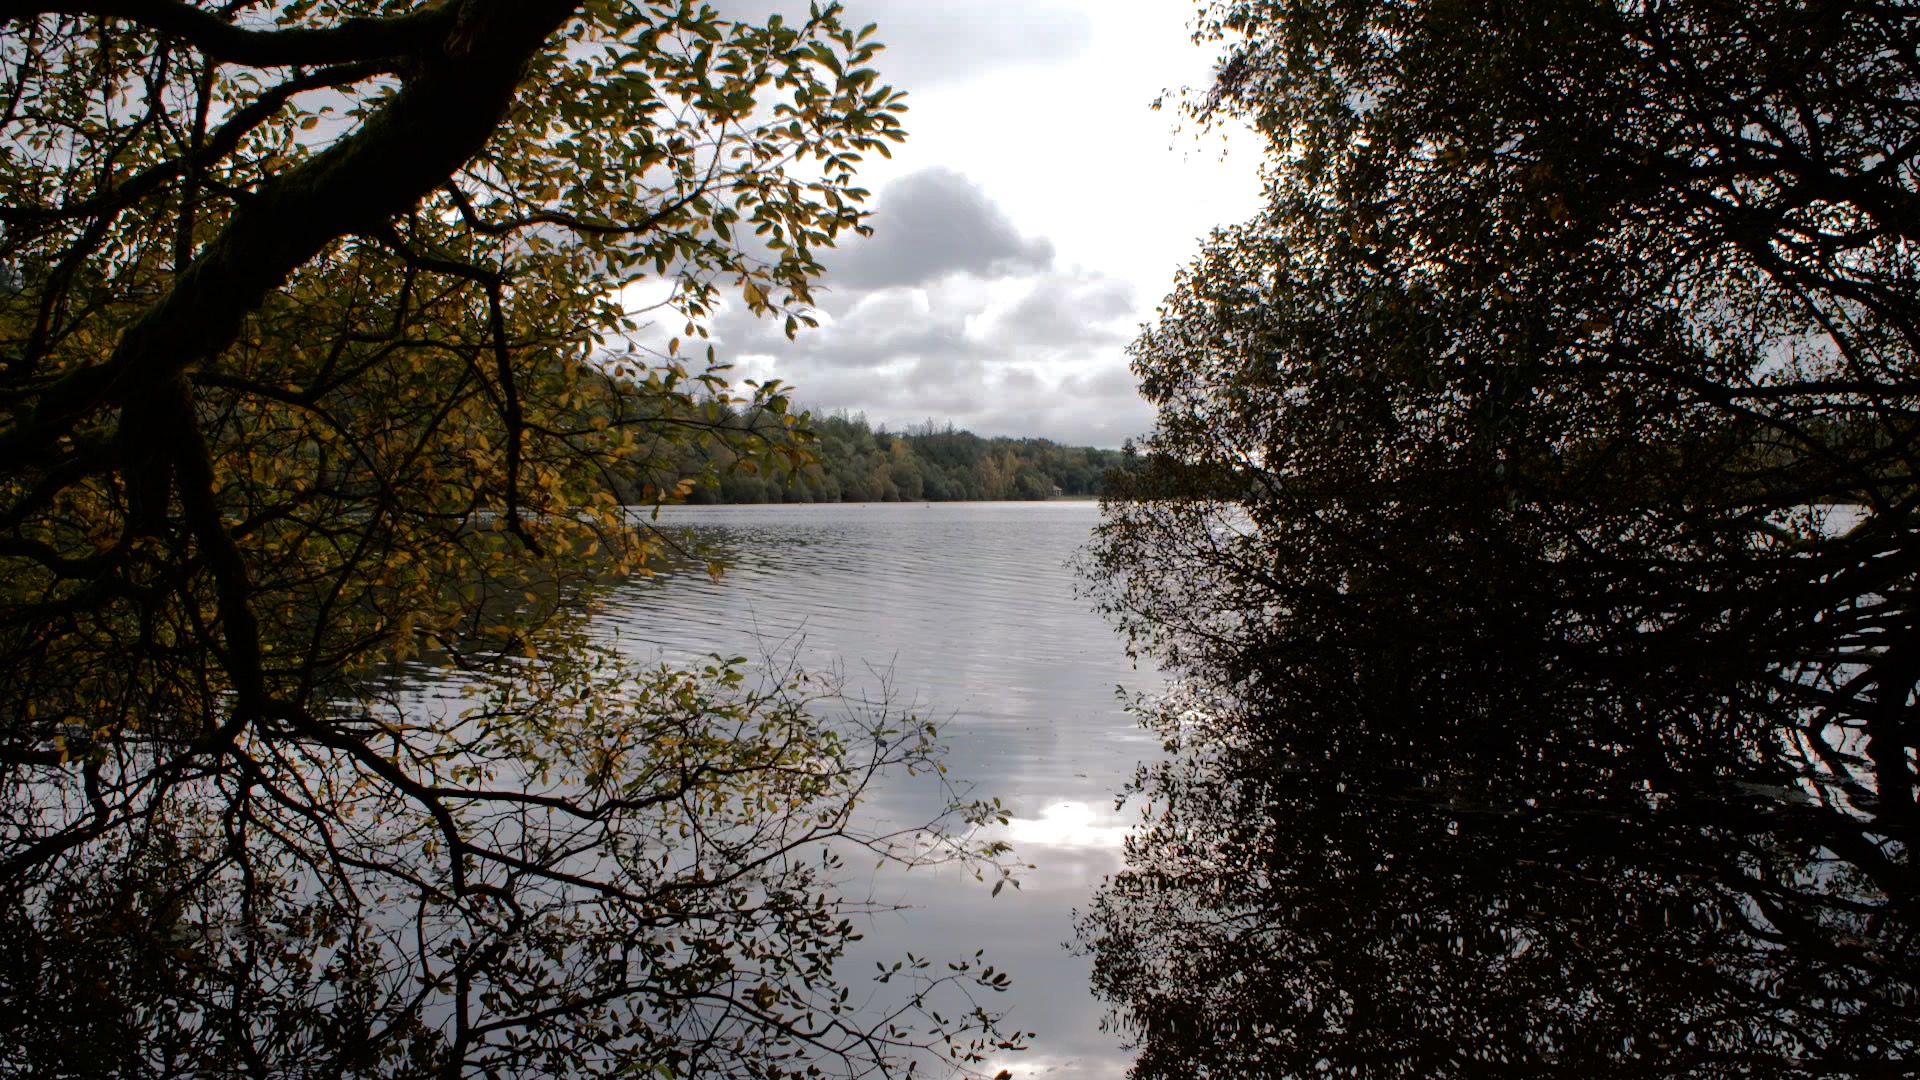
x=351 y=41
x=440 y=119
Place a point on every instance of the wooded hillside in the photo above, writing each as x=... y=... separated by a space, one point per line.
x=855 y=462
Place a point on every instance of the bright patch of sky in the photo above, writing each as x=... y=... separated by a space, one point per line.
x=1026 y=230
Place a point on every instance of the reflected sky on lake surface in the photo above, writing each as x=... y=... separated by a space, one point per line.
x=1409 y=869
x=968 y=614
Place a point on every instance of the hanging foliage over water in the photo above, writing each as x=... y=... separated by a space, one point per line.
x=1550 y=435
x=307 y=314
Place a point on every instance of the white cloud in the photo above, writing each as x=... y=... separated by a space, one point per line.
x=1037 y=212
x=961 y=319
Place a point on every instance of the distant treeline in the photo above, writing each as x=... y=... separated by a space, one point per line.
x=853 y=462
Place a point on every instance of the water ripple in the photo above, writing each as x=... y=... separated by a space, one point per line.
x=968 y=613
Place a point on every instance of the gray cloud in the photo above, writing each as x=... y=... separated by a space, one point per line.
x=889 y=327
x=1069 y=309
x=948 y=313
x=1098 y=409
x=981 y=393
x=932 y=223
x=1049 y=316
x=942 y=353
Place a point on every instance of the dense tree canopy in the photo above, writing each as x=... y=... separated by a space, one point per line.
x=1613 y=292
x=311 y=363
x=846 y=460
x=1579 y=337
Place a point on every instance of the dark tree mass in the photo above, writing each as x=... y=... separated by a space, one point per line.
x=1531 y=511
x=840 y=458
x=316 y=414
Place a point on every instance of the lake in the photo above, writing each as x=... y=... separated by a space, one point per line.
x=968 y=614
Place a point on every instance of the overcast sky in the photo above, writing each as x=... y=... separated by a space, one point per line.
x=1032 y=222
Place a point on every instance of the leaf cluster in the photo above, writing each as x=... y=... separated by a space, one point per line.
x=315 y=360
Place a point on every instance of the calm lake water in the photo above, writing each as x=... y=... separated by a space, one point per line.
x=967 y=613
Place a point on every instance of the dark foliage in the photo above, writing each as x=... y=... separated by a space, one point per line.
x=306 y=374
x=843 y=459
x=1532 y=503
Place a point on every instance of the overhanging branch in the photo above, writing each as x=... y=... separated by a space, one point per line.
x=351 y=41
x=442 y=118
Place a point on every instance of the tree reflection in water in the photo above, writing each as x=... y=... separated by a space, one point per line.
x=1533 y=491
x=1395 y=869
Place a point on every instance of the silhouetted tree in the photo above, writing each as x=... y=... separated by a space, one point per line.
x=1531 y=509
x=307 y=371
